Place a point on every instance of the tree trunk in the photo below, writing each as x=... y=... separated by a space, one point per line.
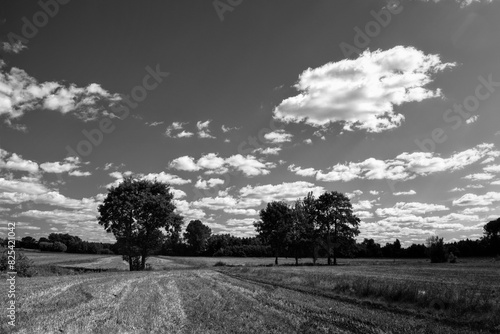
x=276 y=260
x=130 y=266
x=143 y=262
x=296 y=261
x=329 y=259
x=334 y=258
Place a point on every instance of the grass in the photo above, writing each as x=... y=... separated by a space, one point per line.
x=250 y=295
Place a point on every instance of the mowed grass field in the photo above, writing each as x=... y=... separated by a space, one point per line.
x=191 y=295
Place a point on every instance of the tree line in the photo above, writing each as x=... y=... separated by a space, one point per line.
x=141 y=215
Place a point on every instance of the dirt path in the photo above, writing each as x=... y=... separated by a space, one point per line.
x=192 y=301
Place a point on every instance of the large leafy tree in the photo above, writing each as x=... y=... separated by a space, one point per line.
x=275 y=225
x=134 y=212
x=197 y=235
x=492 y=235
x=337 y=224
x=302 y=230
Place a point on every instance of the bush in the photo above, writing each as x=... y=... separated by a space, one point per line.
x=106 y=251
x=46 y=246
x=452 y=258
x=59 y=247
x=220 y=264
x=23 y=266
x=436 y=249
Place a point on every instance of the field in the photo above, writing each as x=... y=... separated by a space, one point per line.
x=244 y=295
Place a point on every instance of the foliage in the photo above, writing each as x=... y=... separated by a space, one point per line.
x=274 y=226
x=46 y=246
x=59 y=247
x=23 y=265
x=337 y=223
x=134 y=211
x=437 y=251
x=197 y=235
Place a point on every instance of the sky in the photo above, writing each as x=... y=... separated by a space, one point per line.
x=238 y=103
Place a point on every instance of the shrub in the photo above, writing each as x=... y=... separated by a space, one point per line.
x=220 y=264
x=436 y=249
x=452 y=258
x=106 y=251
x=46 y=246
x=23 y=266
x=59 y=247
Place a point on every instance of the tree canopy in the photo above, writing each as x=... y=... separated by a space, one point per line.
x=134 y=212
x=197 y=235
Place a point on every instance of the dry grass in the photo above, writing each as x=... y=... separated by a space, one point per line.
x=246 y=299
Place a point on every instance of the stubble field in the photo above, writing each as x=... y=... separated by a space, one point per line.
x=191 y=295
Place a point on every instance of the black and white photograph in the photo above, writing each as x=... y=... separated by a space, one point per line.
x=250 y=166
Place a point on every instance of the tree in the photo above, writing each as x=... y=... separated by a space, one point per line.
x=197 y=235
x=29 y=242
x=437 y=252
x=492 y=235
x=59 y=247
x=274 y=226
x=134 y=212
x=338 y=224
x=301 y=229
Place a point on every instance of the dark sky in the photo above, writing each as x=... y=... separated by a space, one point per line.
x=277 y=99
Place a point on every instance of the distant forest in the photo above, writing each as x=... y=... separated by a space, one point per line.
x=228 y=245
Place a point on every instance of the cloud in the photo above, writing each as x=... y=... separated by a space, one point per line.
x=278 y=137
x=227 y=128
x=405 y=166
x=79 y=173
x=363 y=92
x=492 y=169
x=165 y=178
x=176 y=126
x=244 y=212
x=16 y=47
x=464 y=3
x=184 y=163
x=405 y=193
x=411 y=208
x=20 y=93
x=213 y=164
x=472 y=119
x=288 y=191
x=16 y=162
x=268 y=150
x=162 y=177
x=184 y=208
x=203 y=131
x=69 y=165
x=479 y=177
x=477 y=200
x=362 y=205
x=30 y=189
x=154 y=123
x=206 y=184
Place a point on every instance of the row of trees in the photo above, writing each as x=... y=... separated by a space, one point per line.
x=140 y=214
x=59 y=242
x=199 y=241
x=310 y=225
